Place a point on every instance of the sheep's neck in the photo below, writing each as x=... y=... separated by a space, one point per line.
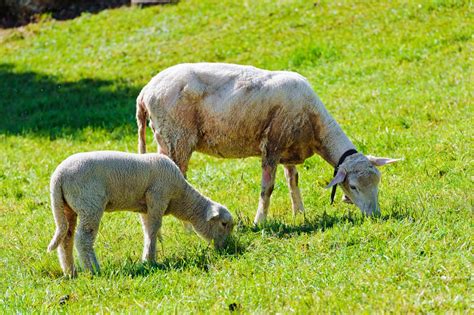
x=191 y=206
x=334 y=141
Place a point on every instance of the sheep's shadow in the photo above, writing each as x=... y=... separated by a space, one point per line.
x=312 y=224
x=318 y=223
x=399 y=214
x=46 y=105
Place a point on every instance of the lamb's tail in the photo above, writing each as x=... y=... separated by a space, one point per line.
x=141 y=122
x=57 y=205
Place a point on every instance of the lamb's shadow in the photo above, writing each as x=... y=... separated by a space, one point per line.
x=203 y=259
x=45 y=105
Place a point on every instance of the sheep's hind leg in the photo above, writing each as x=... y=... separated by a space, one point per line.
x=269 y=167
x=180 y=152
x=65 y=249
x=86 y=233
x=181 y=157
x=291 y=174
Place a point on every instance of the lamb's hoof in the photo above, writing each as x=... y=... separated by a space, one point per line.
x=347 y=199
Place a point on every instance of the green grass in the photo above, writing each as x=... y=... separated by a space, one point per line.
x=397 y=77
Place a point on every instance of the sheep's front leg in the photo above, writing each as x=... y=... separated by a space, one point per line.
x=151 y=231
x=268 y=181
x=86 y=233
x=151 y=223
x=291 y=174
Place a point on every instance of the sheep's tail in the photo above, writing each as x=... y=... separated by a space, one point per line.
x=57 y=205
x=141 y=122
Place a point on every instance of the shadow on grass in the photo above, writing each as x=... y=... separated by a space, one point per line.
x=43 y=105
x=399 y=214
x=283 y=230
x=203 y=258
x=12 y=16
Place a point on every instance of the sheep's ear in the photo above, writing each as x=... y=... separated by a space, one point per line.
x=212 y=212
x=381 y=161
x=339 y=178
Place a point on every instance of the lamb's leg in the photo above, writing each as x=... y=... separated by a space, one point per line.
x=291 y=174
x=151 y=224
x=269 y=167
x=151 y=231
x=85 y=237
x=65 y=249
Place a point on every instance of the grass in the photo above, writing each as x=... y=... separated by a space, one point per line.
x=398 y=78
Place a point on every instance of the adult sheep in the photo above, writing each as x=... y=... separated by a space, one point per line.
x=235 y=111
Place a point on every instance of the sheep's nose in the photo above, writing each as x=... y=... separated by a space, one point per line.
x=219 y=244
x=376 y=211
x=373 y=209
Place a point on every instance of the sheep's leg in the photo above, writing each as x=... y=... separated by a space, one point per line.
x=85 y=237
x=291 y=174
x=151 y=224
x=180 y=152
x=181 y=158
x=65 y=249
x=269 y=167
x=151 y=231
x=141 y=116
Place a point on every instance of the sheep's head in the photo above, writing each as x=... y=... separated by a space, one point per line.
x=359 y=179
x=219 y=224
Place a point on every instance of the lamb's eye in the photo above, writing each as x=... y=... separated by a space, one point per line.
x=353 y=187
x=224 y=224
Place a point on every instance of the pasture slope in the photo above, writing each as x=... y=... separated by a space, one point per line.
x=396 y=75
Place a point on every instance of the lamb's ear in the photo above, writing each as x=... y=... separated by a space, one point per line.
x=212 y=212
x=339 y=178
x=381 y=161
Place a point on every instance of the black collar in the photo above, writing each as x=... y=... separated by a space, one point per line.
x=341 y=160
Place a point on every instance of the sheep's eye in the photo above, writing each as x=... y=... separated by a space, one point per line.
x=353 y=187
x=224 y=224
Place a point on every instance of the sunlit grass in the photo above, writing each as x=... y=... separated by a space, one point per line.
x=398 y=78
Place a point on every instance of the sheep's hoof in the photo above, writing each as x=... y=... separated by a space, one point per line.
x=297 y=211
x=259 y=218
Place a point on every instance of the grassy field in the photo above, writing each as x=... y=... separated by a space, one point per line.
x=398 y=78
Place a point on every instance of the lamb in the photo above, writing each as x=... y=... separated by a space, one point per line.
x=87 y=184
x=235 y=111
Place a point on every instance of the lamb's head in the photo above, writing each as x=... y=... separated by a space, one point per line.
x=359 y=179
x=218 y=224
